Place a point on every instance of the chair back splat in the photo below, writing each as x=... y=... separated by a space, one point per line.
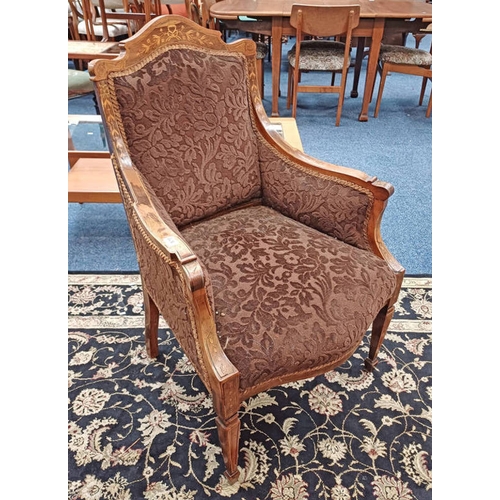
x=266 y=263
x=323 y=20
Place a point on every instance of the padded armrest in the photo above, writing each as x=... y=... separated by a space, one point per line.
x=174 y=277
x=342 y=202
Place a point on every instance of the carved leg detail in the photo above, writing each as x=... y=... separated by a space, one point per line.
x=229 y=436
x=151 y=317
x=379 y=329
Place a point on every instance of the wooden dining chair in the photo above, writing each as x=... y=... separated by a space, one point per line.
x=320 y=55
x=136 y=13
x=422 y=33
x=266 y=263
x=408 y=61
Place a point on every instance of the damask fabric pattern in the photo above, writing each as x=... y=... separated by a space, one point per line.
x=405 y=55
x=187 y=122
x=145 y=429
x=272 y=274
x=165 y=281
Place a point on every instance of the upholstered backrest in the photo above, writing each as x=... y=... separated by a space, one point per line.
x=186 y=119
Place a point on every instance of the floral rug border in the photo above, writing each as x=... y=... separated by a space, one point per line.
x=112 y=320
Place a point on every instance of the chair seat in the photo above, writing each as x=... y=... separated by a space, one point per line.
x=319 y=55
x=288 y=298
x=114 y=29
x=404 y=55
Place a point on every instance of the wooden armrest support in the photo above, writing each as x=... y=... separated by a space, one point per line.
x=160 y=230
x=222 y=373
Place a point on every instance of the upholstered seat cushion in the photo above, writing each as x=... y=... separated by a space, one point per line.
x=319 y=55
x=404 y=55
x=288 y=298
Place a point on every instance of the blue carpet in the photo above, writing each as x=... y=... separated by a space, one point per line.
x=396 y=147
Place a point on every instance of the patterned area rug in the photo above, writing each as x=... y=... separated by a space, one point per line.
x=145 y=429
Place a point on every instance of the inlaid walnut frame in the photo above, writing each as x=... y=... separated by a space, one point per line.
x=267 y=264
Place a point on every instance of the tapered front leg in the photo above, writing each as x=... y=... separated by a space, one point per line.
x=379 y=329
x=229 y=436
x=151 y=318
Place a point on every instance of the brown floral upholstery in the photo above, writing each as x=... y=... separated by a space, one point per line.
x=275 y=315
x=200 y=157
x=257 y=259
x=339 y=209
x=267 y=264
x=405 y=55
x=319 y=55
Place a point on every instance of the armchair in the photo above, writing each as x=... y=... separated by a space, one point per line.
x=267 y=264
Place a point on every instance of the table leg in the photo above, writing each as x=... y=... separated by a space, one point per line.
x=276 y=37
x=371 y=70
x=360 y=52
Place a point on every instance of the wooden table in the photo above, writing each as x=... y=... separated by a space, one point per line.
x=87 y=50
x=375 y=17
x=91 y=178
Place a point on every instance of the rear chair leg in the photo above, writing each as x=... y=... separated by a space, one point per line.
x=151 y=317
x=429 y=107
x=380 y=89
x=379 y=329
x=229 y=437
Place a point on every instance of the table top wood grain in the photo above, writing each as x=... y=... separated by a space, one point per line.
x=87 y=50
x=229 y=9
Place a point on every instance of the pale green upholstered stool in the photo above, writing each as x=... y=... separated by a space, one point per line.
x=79 y=84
